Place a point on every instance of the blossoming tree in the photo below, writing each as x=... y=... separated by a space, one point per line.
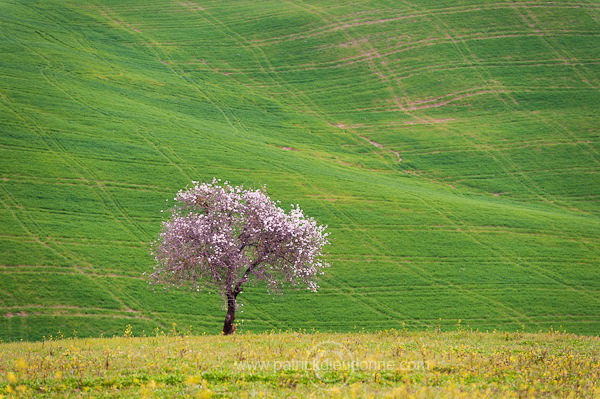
x=222 y=236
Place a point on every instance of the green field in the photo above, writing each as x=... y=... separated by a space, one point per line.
x=452 y=147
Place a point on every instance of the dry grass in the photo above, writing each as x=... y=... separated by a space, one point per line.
x=392 y=363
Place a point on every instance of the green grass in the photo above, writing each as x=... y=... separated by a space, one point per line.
x=452 y=148
x=388 y=364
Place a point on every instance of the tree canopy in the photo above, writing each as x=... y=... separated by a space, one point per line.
x=222 y=236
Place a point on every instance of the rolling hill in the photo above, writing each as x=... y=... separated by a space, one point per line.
x=452 y=147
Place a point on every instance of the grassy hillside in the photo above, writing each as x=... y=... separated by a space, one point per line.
x=389 y=364
x=451 y=146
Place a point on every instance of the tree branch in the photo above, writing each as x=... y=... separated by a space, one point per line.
x=238 y=286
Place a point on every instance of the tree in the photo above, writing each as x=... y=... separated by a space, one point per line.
x=222 y=236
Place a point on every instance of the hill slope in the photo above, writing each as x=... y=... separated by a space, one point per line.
x=452 y=148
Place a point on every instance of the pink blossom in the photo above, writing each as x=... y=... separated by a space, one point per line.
x=222 y=236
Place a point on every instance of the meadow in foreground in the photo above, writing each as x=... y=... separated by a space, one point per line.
x=391 y=363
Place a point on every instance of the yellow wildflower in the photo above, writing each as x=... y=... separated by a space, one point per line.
x=21 y=365
x=12 y=378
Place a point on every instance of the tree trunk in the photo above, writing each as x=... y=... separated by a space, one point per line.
x=229 y=327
